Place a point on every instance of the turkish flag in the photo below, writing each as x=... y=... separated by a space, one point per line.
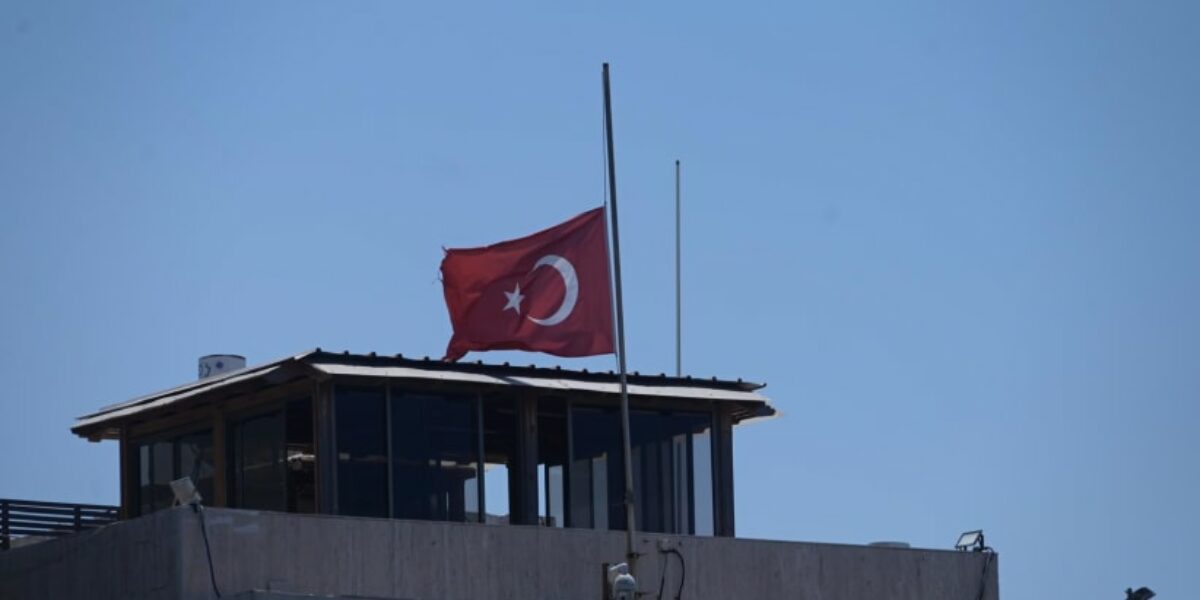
x=547 y=292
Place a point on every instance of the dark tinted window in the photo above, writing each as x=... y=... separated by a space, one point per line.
x=155 y=471
x=361 y=433
x=258 y=463
x=435 y=457
x=667 y=474
x=195 y=455
x=596 y=481
x=500 y=451
x=163 y=460
x=301 y=457
x=552 y=461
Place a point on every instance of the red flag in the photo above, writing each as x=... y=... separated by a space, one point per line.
x=547 y=292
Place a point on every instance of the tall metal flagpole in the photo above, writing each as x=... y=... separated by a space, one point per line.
x=630 y=555
x=678 y=286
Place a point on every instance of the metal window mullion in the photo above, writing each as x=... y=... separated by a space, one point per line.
x=689 y=474
x=480 y=494
x=713 y=469
x=335 y=505
x=283 y=454
x=569 y=467
x=387 y=412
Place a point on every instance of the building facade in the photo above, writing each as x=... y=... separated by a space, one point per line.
x=364 y=476
x=390 y=437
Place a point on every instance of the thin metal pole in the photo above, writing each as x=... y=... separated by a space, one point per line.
x=481 y=493
x=630 y=555
x=678 y=285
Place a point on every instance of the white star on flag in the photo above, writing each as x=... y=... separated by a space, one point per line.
x=514 y=299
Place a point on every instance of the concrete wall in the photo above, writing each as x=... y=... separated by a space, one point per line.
x=343 y=556
x=137 y=560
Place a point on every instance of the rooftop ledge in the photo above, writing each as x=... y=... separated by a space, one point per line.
x=161 y=556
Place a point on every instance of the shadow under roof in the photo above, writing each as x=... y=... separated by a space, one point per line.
x=318 y=364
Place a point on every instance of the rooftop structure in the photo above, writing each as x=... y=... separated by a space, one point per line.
x=475 y=480
x=387 y=436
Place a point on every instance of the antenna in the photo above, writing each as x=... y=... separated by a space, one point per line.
x=678 y=280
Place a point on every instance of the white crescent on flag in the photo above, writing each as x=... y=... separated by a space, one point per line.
x=567 y=271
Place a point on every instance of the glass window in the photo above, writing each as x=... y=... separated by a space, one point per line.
x=258 y=463
x=142 y=456
x=552 y=460
x=154 y=475
x=702 y=482
x=361 y=434
x=596 y=477
x=301 y=457
x=271 y=462
x=663 y=457
x=499 y=448
x=161 y=461
x=162 y=471
x=672 y=487
x=196 y=461
x=434 y=457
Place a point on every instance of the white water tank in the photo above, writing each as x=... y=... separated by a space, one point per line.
x=220 y=364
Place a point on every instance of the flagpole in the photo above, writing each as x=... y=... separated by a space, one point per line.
x=678 y=285
x=630 y=555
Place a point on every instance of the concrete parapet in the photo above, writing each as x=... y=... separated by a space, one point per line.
x=284 y=555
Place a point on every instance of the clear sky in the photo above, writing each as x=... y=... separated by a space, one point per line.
x=956 y=239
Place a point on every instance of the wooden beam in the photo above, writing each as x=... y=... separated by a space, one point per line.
x=200 y=417
x=723 y=469
x=326 y=448
x=220 y=460
x=523 y=480
x=128 y=474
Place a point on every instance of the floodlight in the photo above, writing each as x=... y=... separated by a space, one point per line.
x=971 y=540
x=1142 y=593
x=185 y=491
x=621 y=585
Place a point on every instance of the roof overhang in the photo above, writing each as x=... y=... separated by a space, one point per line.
x=106 y=423
x=546 y=383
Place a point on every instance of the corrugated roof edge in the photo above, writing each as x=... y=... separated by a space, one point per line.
x=531 y=370
x=504 y=369
x=197 y=383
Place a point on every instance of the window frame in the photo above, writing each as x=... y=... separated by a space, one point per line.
x=170 y=435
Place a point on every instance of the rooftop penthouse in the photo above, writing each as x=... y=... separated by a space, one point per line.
x=339 y=474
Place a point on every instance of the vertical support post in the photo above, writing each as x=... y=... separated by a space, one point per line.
x=524 y=510
x=4 y=535
x=630 y=523
x=387 y=434
x=480 y=476
x=569 y=518
x=220 y=461
x=326 y=448
x=315 y=425
x=125 y=457
x=723 y=467
x=281 y=458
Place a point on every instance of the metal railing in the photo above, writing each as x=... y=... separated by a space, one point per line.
x=50 y=519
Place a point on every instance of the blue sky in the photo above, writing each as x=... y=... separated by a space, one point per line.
x=956 y=239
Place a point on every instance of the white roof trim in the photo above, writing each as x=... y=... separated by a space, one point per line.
x=603 y=387
x=133 y=409
x=198 y=383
